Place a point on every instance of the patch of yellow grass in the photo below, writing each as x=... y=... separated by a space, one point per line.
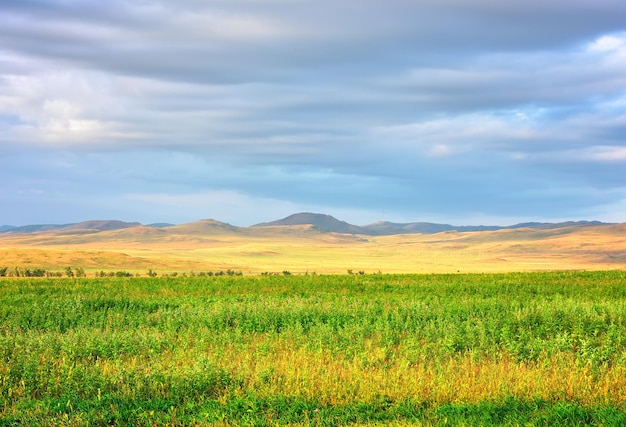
x=331 y=380
x=301 y=250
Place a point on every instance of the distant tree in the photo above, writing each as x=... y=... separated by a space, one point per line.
x=3 y=271
x=79 y=272
x=69 y=272
x=286 y=272
x=151 y=273
x=122 y=274
x=38 y=272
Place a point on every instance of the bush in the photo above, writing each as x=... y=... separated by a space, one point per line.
x=38 y=272
x=122 y=274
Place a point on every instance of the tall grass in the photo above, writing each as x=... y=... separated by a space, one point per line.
x=511 y=349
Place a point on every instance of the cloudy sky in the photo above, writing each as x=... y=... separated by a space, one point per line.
x=459 y=111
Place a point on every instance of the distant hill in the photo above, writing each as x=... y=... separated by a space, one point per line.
x=93 y=225
x=204 y=226
x=321 y=222
x=327 y=223
x=101 y=225
x=383 y=228
x=160 y=225
x=551 y=225
x=35 y=228
x=390 y=228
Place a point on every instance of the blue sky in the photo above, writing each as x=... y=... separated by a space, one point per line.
x=458 y=111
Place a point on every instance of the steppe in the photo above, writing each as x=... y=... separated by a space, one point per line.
x=209 y=245
x=317 y=349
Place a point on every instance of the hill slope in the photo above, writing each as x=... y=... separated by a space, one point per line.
x=34 y=228
x=203 y=227
x=320 y=222
x=100 y=225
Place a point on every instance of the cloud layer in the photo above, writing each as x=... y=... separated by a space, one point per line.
x=248 y=110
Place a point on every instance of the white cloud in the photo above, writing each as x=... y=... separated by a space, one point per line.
x=458 y=135
x=60 y=107
x=209 y=25
x=599 y=153
x=608 y=43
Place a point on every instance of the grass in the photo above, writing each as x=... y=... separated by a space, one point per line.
x=478 y=349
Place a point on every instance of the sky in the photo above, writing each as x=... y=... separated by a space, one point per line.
x=459 y=111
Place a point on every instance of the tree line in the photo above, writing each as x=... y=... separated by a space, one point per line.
x=80 y=272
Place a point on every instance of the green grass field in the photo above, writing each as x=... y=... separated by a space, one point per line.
x=502 y=349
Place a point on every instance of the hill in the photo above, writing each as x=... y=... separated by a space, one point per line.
x=327 y=223
x=92 y=225
x=321 y=222
x=100 y=225
x=203 y=227
x=319 y=243
x=384 y=228
x=33 y=228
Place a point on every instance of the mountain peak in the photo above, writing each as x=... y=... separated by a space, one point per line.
x=321 y=222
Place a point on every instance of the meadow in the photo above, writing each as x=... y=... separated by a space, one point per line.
x=447 y=349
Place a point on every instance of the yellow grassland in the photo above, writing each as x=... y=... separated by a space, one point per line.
x=299 y=249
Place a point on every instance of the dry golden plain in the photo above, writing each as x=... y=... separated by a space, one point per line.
x=211 y=246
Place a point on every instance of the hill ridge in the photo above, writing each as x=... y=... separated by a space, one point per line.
x=320 y=222
x=101 y=225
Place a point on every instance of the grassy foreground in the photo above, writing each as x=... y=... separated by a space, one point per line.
x=504 y=349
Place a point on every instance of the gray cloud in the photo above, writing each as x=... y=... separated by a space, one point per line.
x=451 y=109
